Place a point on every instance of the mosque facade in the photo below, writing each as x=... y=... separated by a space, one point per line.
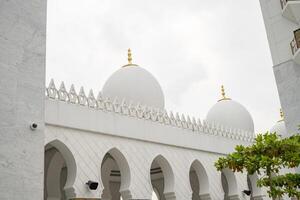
x=125 y=140
x=121 y=143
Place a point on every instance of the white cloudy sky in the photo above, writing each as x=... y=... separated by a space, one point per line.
x=190 y=46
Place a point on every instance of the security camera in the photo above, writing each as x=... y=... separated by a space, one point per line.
x=92 y=185
x=247 y=192
x=33 y=126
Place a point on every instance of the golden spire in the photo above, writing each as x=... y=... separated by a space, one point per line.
x=223 y=91
x=129 y=58
x=223 y=94
x=281 y=115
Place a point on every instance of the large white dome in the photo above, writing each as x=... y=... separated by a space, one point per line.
x=136 y=85
x=230 y=114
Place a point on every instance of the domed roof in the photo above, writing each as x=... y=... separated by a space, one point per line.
x=134 y=84
x=230 y=114
x=279 y=127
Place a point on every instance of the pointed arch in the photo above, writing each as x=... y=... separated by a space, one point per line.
x=202 y=178
x=53 y=181
x=229 y=183
x=169 y=180
x=124 y=168
x=106 y=166
x=252 y=184
x=64 y=156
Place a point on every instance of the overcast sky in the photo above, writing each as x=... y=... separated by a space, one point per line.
x=190 y=46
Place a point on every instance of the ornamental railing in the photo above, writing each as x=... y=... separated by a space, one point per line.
x=295 y=43
x=127 y=108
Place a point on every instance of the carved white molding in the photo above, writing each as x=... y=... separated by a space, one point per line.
x=143 y=112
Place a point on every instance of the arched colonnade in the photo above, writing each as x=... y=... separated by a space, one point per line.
x=115 y=177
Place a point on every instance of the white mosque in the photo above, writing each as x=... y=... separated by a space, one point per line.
x=122 y=143
x=127 y=145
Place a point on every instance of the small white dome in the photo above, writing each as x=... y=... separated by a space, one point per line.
x=279 y=128
x=230 y=114
x=135 y=85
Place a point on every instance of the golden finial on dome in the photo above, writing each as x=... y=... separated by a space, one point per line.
x=223 y=91
x=223 y=94
x=129 y=58
x=281 y=115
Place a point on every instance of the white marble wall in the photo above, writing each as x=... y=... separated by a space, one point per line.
x=199 y=135
x=287 y=73
x=89 y=148
x=279 y=30
x=22 y=80
x=287 y=76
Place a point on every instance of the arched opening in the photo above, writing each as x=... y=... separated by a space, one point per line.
x=115 y=175
x=162 y=179
x=229 y=184
x=199 y=181
x=252 y=185
x=59 y=172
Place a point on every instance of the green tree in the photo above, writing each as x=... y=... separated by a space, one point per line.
x=267 y=156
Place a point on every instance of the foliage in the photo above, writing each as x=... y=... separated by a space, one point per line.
x=267 y=156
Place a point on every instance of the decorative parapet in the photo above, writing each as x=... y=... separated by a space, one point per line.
x=123 y=107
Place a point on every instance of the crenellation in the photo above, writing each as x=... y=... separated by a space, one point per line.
x=116 y=105
x=100 y=102
x=159 y=116
x=194 y=124
x=73 y=98
x=132 y=110
x=82 y=99
x=166 y=118
x=51 y=90
x=172 y=119
x=140 y=111
x=108 y=104
x=92 y=102
x=143 y=112
x=178 y=121
x=153 y=114
x=189 y=123
x=147 y=113
x=183 y=121
x=62 y=92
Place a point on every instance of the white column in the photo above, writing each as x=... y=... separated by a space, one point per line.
x=22 y=96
